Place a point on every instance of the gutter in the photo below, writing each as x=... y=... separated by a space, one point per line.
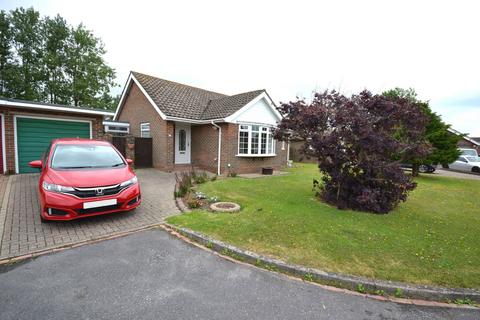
x=41 y=106
x=219 y=145
x=186 y=120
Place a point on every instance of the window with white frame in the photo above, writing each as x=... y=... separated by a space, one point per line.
x=145 y=130
x=120 y=130
x=255 y=140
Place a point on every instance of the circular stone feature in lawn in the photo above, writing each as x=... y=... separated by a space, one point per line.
x=225 y=207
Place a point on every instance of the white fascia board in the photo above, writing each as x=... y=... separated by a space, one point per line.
x=131 y=78
x=124 y=92
x=116 y=124
x=231 y=118
x=53 y=108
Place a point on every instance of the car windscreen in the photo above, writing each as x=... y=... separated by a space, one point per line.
x=468 y=152
x=473 y=159
x=70 y=156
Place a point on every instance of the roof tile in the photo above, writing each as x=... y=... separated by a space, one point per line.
x=183 y=101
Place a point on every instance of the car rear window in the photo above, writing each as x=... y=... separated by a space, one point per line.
x=468 y=152
x=71 y=156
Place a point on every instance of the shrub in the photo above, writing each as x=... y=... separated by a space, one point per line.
x=194 y=203
x=200 y=178
x=359 y=142
x=184 y=183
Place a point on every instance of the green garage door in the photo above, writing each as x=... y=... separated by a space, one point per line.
x=34 y=136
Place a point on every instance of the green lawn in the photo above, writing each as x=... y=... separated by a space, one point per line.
x=433 y=238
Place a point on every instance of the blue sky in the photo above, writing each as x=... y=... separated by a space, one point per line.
x=291 y=48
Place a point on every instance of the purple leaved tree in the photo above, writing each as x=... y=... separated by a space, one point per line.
x=360 y=142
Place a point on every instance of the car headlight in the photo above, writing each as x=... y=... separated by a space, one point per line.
x=56 y=187
x=129 y=182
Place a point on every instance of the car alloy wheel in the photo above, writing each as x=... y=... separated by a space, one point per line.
x=423 y=168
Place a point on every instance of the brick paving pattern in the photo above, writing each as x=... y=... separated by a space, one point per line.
x=24 y=233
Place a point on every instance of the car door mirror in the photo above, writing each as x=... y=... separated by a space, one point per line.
x=129 y=161
x=36 y=164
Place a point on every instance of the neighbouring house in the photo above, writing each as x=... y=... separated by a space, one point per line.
x=466 y=142
x=196 y=127
x=296 y=154
x=28 y=127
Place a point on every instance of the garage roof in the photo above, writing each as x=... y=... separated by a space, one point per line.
x=52 y=107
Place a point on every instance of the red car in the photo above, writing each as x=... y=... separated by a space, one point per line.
x=82 y=178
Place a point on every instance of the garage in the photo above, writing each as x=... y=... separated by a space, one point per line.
x=27 y=127
x=33 y=135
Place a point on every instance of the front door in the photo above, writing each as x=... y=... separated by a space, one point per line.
x=182 y=143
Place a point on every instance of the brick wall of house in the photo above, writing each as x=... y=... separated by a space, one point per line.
x=136 y=110
x=9 y=112
x=204 y=150
x=246 y=164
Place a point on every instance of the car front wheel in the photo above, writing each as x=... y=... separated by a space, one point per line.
x=476 y=169
x=423 y=169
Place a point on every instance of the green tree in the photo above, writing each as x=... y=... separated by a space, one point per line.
x=56 y=32
x=108 y=102
x=444 y=144
x=90 y=76
x=26 y=81
x=5 y=52
x=46 y=59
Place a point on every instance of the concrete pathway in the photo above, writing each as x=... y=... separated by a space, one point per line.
x=152 y=275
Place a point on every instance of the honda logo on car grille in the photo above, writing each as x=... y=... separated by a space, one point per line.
x=99 y=192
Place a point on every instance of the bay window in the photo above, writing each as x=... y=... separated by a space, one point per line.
x=255 y=140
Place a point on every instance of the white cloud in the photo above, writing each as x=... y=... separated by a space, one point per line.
x=291 y=48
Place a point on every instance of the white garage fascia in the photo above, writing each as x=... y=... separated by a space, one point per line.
x=41 y=106
x=15 y=146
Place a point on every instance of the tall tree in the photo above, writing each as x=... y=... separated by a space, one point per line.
x=444 y=144
x=27 y=78
x=90 y=76
x=5 y=52
x=45 y=59
x=56 y=32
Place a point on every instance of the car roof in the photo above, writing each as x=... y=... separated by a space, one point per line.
x=80 y=141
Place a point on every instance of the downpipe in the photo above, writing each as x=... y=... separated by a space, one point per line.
x=219 y=146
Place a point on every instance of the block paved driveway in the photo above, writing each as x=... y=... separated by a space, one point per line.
x=21 y=231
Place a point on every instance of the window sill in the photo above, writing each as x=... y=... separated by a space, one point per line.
x=256 y=155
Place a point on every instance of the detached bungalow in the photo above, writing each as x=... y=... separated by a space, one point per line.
x=191 y=126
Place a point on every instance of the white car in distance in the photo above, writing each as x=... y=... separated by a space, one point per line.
x=468 y=152
x=466 y=164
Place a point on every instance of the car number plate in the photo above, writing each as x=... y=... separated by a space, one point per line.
x=97 y=204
